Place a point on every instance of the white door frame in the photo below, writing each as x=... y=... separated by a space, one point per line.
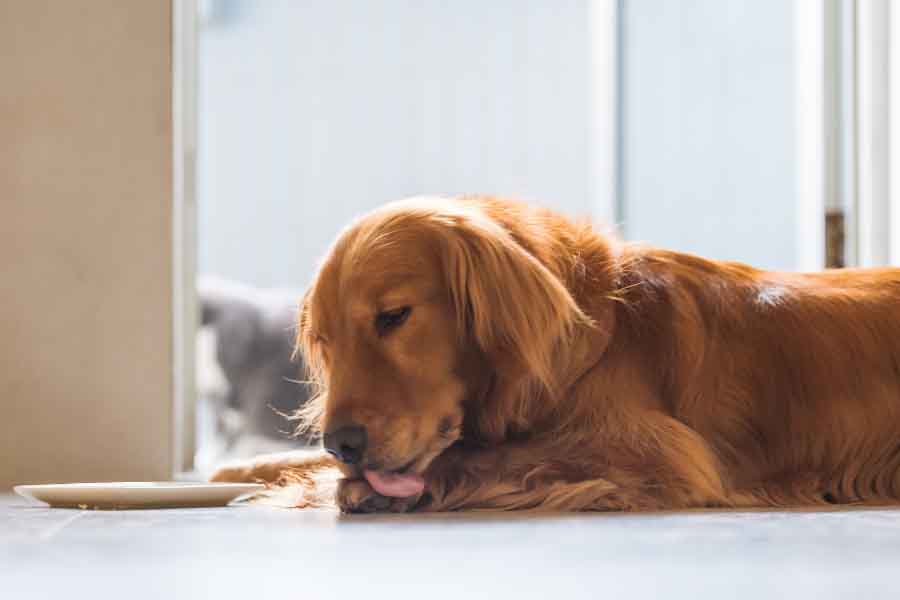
x=605 y=113
x=894 y=135
x=848 y=140
x=873 y=107
x=812 y=110
x=184 y=235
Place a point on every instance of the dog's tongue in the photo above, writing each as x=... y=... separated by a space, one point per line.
x=395 y=485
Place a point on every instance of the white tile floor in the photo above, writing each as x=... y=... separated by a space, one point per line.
x=264 y=552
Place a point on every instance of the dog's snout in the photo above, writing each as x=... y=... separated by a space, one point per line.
x=347 y=443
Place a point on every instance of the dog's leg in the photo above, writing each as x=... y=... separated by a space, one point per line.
x=280 y=467
x=302 y=478
x=660 y=465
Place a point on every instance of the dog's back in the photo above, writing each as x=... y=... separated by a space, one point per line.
x=790 y=377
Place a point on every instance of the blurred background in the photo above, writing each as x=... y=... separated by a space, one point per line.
x=727 y=128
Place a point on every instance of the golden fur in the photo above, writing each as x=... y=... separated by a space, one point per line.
x=546 y=365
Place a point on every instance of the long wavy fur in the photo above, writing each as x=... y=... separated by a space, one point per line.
x=624 y=377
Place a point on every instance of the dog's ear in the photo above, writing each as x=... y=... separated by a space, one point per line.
x=307 y=350
x=512 y=305
x=303 y=339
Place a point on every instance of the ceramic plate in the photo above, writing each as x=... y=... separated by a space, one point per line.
x=138 y=494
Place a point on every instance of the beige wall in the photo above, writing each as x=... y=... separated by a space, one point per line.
x=85 y=240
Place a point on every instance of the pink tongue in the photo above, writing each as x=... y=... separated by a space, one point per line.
x=395 y=485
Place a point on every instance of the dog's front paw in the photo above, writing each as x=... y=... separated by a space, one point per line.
x=239 y=472
x=250 y=471
x=356 y=496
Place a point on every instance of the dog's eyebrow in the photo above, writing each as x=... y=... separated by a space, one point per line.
x=406 y=282
x=414 y=291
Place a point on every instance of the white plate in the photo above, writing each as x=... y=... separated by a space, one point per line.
x=138 y=494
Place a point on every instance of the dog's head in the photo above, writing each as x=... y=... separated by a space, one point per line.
x=413 y=311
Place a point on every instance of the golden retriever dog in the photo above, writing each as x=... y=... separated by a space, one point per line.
x=477 y=353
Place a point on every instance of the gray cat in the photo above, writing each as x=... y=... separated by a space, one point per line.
x=254 y=338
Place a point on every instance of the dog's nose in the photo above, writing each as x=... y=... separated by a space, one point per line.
x=347 y=443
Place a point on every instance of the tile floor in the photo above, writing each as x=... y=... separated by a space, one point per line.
x=265 y=552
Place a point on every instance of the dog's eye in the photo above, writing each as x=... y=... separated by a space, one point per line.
x=445 y=426
x=389 y=320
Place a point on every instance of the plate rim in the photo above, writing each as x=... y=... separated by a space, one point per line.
x=138 y=485
x=114 y=495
